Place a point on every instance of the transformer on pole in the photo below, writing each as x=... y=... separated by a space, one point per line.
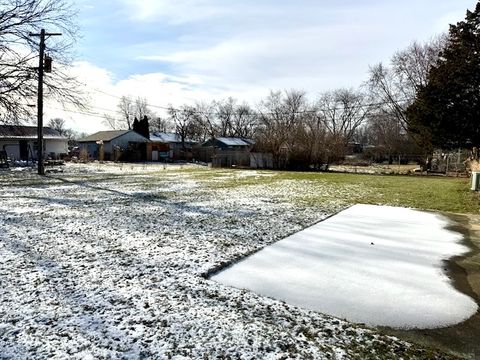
x=44 y=65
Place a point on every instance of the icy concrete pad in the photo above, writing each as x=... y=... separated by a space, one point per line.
x=377 y=265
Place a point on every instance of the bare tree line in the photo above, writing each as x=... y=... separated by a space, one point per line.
x=297 y=130
x=285 y=124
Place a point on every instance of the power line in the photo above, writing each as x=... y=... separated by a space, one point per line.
x=97 y=115
x=254 y=114
x=119 y=97
x=374 y=104
x=306 y=111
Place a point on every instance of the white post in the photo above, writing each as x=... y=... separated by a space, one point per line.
x=475 y=180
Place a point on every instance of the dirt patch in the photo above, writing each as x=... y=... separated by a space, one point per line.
x=461 y=339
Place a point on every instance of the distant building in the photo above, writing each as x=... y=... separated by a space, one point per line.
x=115 y=145
x=169 y=147
x=20 y=142
x=261 y=160
x=229 y=143
x=227 y=151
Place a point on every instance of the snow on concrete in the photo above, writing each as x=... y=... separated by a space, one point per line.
x=377 y=265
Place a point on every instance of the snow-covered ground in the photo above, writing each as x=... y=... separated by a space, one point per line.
x=378 y=265
x=107 y=262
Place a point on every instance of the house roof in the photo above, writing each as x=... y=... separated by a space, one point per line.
x=233 y=141
x=250 y=141
x=104 y=135
x=27 y=132
x=168 y=138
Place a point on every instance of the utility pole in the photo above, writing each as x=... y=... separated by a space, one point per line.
x=41 y=70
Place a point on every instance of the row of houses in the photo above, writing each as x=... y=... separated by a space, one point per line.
x=19 y=143
x=129 y=145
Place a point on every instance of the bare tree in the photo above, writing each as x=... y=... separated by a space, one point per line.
x=57 y=124
x=141 y=109
x=111 y=121
x=244 y=121
x=395 y=86
x=389 y=139
x=314 y=140
x=206 y=121
x=160 y=124
x=342 y=111
x=60 y=125
x=184 y=120
x=127 y=111
x=225 y=112
x=19 y=55
x=227 y=118
x=281 y=119
x=270 y=134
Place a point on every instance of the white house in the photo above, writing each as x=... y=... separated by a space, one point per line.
x=20 y=142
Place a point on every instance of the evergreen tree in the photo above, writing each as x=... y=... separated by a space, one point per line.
x=446 y=111
x=142 y=127
x=145 y=127
x=136 y=125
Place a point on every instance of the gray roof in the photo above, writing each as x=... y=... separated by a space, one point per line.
x=168 y=138
x=250 y=141
x=27 y=132
x=104 y=135
x=233 y=141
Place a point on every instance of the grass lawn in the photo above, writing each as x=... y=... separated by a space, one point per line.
x=421 y=192
x=106 y=261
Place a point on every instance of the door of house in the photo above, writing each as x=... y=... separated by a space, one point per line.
x=154 y=155
x=23 y=150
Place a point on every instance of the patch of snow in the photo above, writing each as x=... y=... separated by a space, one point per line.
x=122 y=168
x=377 y=265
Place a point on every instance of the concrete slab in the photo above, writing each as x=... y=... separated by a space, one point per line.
x=379 y=265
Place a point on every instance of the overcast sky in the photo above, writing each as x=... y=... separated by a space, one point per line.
x=175 y=52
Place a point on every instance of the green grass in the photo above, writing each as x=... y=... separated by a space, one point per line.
x=428 y=193
x=327 y=190
x=420 y=192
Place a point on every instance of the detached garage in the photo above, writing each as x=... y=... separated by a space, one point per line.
x=115 y=145
x=20 y=142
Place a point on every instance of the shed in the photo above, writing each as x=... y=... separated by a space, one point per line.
x=229 y=143
x=20 y=142
x=228 y=151
x=169 y=147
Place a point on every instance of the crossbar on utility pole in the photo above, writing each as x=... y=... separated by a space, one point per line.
x=43 y=34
